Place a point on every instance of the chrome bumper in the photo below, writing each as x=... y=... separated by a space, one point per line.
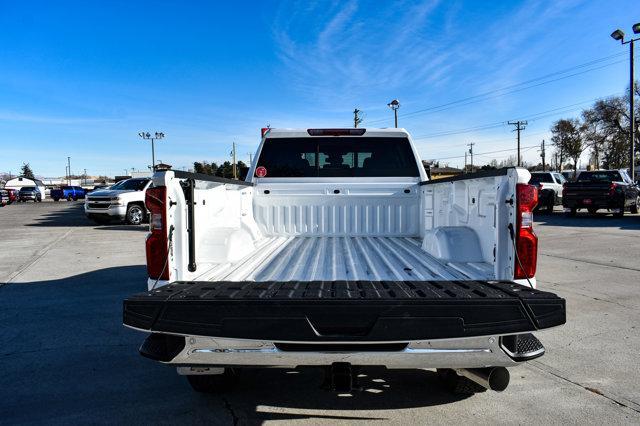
x=476 y=352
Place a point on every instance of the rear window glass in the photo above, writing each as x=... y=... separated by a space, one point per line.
x=541 y=177
x=600 y=176
x=338 y=157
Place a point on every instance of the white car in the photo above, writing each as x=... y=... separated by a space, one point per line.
x=338 y=251
x=123 y=201
x=549 y=188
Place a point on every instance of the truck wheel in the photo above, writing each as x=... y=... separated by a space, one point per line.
x=634 y=208
x=456 y=384
x=550 y=206
x=592 y=210
x=56 y=199
x=135 y=214
x=69 y=198
x=572 y=212
x=620 y=213
x=213 y=383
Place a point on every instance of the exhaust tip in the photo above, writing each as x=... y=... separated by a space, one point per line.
x=493 y=378
x=498 y=379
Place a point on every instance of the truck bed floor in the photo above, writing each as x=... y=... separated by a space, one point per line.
x=342 y=258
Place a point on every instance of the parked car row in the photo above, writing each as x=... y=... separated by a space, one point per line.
x=611 y=190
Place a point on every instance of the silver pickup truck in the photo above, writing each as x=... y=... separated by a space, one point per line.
x=337 y=251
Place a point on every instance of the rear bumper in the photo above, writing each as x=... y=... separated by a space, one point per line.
x=363 y=311
x=475 y=352
x=596 y=202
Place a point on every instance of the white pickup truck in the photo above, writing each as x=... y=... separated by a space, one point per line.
x=124 y=201
x=338 y=251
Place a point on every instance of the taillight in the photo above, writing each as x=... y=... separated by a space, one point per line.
x=157 y=244
x=612 y=188
x=526 y=239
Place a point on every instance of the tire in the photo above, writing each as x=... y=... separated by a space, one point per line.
x=458 y=385
x=621 y=213
x=216 y=383
x=56 y=199
x=592 y=210
x=69 y=198
x=634 y=208
x=135 y=214
x=550 y=206
x=572 y=213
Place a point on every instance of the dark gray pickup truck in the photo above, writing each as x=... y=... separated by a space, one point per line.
x=601 y=189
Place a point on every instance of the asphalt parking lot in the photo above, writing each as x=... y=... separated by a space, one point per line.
x=66 y=358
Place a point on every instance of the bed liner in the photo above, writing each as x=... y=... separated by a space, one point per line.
x=303 y=258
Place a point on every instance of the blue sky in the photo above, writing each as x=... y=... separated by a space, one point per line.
x=81 y=79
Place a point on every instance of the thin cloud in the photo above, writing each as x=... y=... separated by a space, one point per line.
x=344 y=55
x=47 y=119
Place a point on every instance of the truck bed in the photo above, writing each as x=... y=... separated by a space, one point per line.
x=326 y=258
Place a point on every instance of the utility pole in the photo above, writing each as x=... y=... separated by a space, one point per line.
x=85 y=176
x=356 y=118
x=520 y=125
x=470 y=145
x=235 y=173
x=542 y=153
x=69 y=174
x=250 y=158
x=465 y=162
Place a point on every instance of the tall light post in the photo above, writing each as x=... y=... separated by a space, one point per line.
x=619 y=36
x=394 y=105
x=69 y=168
x=152 y=138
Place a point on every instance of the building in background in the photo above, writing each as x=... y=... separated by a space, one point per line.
x=20 y=181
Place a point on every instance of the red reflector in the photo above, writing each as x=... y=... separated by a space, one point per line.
x=336 y=132
x=526 y=239
x=261 y=171
x=157 y=244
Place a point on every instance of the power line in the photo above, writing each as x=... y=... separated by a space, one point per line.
x=486 y=153
x=507 y=89
x=532 y=117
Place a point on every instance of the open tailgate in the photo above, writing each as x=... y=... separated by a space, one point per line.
x=316 y=311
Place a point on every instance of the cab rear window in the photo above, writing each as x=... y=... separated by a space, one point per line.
x=338 y=157
x=600 y=176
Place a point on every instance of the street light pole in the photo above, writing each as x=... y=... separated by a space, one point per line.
x=152 y=138
x=619 y=36
x=394 y=105
x=69 y=168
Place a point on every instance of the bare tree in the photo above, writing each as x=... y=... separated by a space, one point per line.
x=567 y=138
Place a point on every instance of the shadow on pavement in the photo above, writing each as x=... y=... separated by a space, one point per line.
x=584 y=219
x=73 y=216
x=66 y=358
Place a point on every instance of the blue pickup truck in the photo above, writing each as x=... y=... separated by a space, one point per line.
x=68 y=193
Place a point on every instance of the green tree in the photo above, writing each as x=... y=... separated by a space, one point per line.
x=26 y=171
